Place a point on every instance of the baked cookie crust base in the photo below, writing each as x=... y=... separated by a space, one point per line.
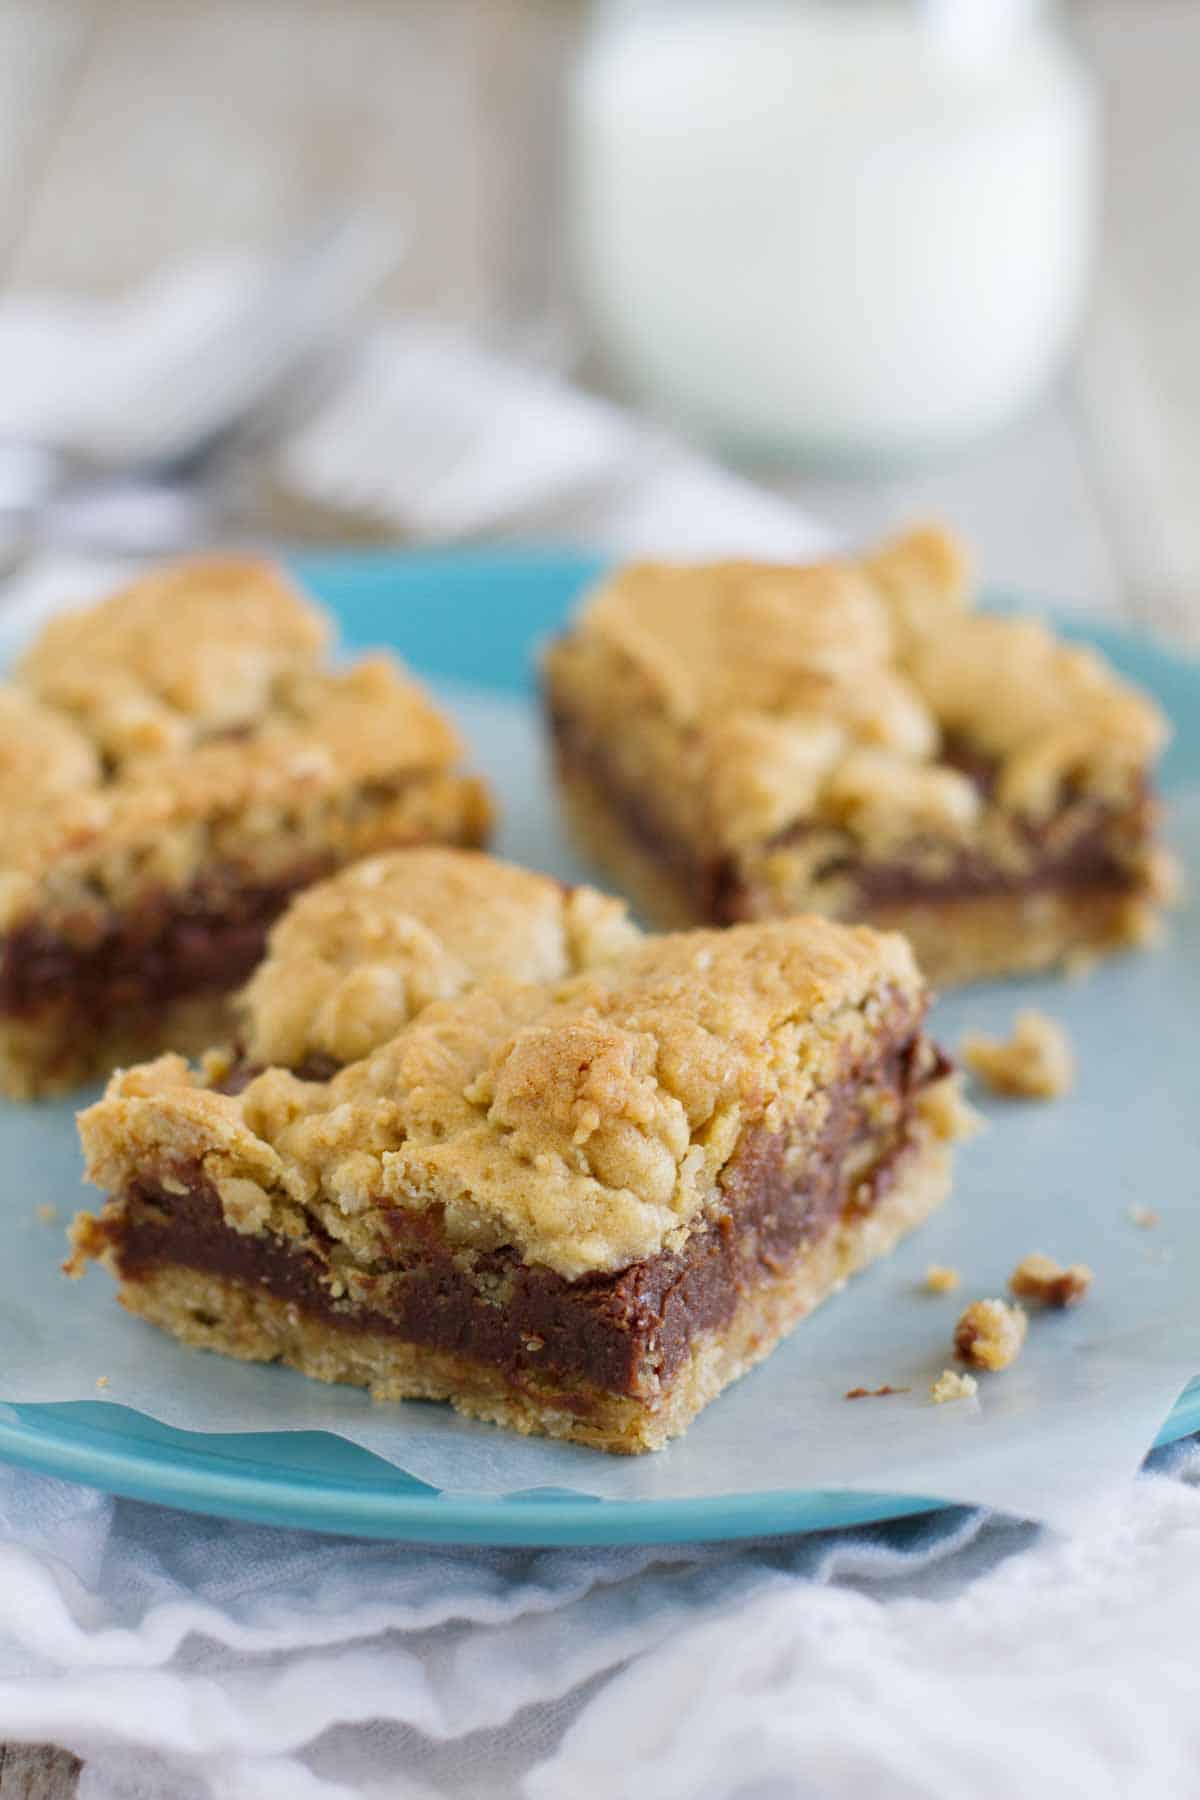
x=235 y=1318
x=955 y=941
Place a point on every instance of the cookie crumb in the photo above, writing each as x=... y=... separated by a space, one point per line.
x=46 y=1213
x=950 y=1385
x=861 y=1393
x=102 y=1381
x=1035 y=1063
x=1039 y=1278
x=990 y=1334
x=216 y=1065
x=1144 y=1217
x=940 y=1279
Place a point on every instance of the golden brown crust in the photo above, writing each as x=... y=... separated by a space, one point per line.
x=355 y=957
x=926 y=578
x=185 y=723
x=43 y=756
x=189 y=648
x=231 y=799
x=779 y=677
x=584 y=1120
x=1048 y=712
x=791 y=724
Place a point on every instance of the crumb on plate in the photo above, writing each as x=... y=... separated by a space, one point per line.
x=990 y=1334
x=47 y=1213
x=950 y=1385
x=1040 y=1278
x=862 y=1393
x=1035 y=1063
x=940 y=1279
x=1144 y=1216
x=102 y=1381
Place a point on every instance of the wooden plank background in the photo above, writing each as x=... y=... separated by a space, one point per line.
x=136 y=131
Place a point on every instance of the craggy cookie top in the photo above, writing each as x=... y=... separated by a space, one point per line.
x=800 y=691
x=355 y=957
x=42 y=755
x=149 y=731
x=189 y=649
x=585 y=1121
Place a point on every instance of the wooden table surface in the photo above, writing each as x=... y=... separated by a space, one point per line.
x=141 y=130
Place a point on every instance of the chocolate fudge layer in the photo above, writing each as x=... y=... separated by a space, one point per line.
x=627 y=1331
x=577 y=1205
x=744 y=741
x=175 y=764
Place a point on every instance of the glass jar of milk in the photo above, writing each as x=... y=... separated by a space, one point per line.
x=844 y=229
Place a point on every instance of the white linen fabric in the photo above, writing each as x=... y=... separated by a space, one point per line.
x=477 y=445
x=188 y=1659
x=193 y=1659
x=425 y=432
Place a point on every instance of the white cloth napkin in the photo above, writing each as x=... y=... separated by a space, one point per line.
x=426 y=433
x=186 y=1659
x=75 y=367
x=441 y=439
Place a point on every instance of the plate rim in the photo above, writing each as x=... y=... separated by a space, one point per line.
x=46 y=1439
x=264 y=1495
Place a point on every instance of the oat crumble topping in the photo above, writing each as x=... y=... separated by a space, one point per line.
x=357 y=956
x=583 y=1120
x=192 y=719
x=770 y=693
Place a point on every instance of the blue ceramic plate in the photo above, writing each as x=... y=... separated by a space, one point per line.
x=472 y=618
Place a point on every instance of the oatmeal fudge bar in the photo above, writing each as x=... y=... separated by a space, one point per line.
x=175 y=763
x=577 y=1199
x=744 y=741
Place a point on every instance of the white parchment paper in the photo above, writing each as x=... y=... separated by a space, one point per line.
x=1044 y=1440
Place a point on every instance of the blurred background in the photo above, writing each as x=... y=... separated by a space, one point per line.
x=892 y=257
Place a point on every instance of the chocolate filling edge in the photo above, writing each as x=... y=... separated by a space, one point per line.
x=626 y=1332
x=170 y=945
x=720 y=893
x=206 y=938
